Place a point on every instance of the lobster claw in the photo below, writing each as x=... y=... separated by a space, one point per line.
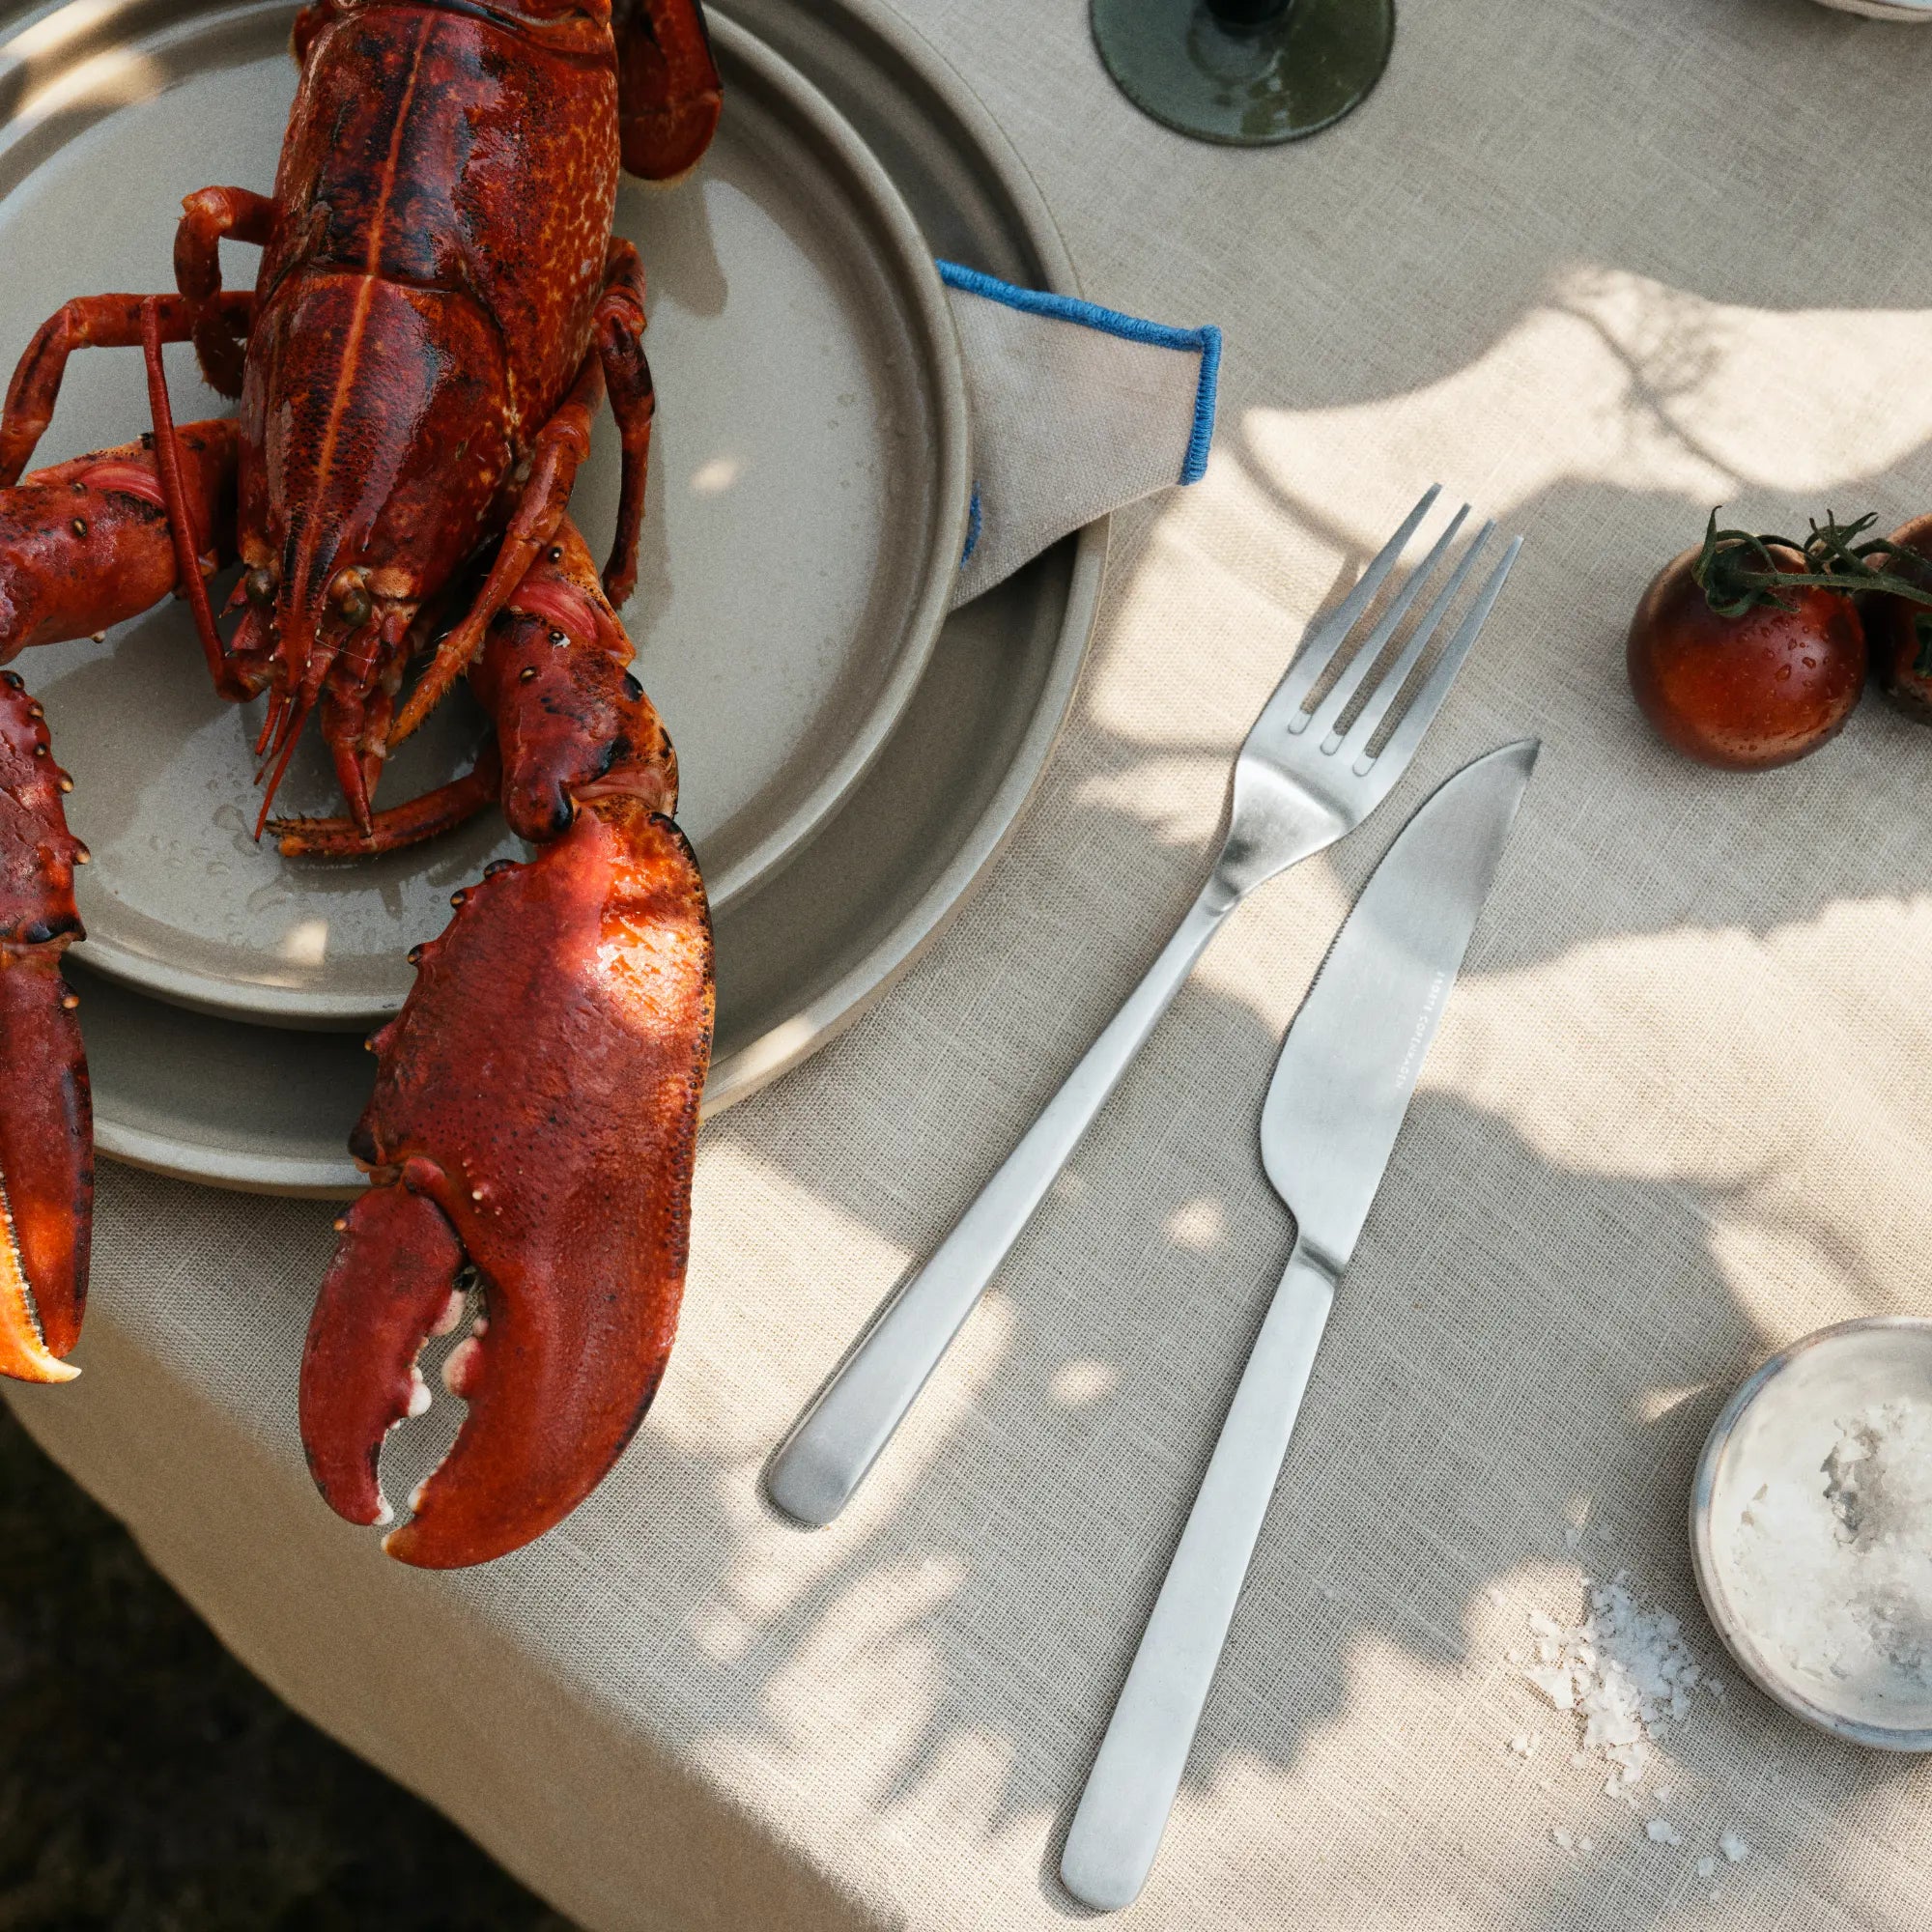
x=530 y=1133
x=46 y=1168
x=46 y=1140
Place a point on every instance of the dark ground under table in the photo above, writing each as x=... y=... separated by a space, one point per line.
x=147 y=1783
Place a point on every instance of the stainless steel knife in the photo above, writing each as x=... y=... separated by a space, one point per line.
x=1340 y=1090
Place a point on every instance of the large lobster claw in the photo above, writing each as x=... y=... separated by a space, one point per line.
x=533 y=1121
x=47 y=1162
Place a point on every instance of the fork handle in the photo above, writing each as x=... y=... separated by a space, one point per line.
x=1117 y=1830
x=815 y=1469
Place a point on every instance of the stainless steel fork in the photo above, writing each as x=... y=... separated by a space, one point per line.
x=1300 y=782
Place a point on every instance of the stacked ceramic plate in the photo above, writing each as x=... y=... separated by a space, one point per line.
x=1885 y=10
x=851 y=756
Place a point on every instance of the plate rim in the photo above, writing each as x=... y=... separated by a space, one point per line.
x=936 y=355
x=815 y=1024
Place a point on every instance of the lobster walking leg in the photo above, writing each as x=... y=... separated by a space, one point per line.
x=206 y=217
x=627 y=377
x=106 y=321
x=572 y=722
x=429 y=816
x=561 y=445
x=91 y=322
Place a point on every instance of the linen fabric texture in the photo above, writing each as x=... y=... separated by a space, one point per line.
x=1596 y=269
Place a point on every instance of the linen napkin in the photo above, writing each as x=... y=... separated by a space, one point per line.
x=1076 y=411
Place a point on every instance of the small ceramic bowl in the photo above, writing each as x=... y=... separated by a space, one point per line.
x=1834 y=1372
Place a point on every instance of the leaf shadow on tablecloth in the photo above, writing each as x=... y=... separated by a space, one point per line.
x=1564 y=1281
x=1578 y=1254
x=1449 y=1442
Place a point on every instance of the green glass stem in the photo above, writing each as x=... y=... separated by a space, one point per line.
x=1245 y=72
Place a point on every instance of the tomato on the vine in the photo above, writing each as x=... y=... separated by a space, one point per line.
x=1749 y=651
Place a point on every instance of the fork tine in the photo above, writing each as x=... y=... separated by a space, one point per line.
x=1371 y=649
x=1321 y=643
x=1390 y=688
x=1393 y=759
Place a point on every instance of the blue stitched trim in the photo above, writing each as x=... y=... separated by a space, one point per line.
x=1206 y=341
x=971 y=529
x=1194 y=466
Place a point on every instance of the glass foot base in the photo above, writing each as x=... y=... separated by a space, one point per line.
x=1201 y=73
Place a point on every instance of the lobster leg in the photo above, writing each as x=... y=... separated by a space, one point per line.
x=572 y=722
x=561 y=445
x=107 y=322
x=534 y=1112
x=91 y=322
x=667 y=89
x=435 y=812
x=87 y=544
x=206 y=216
x=620 y=327
x=83 y=545
x=615 y=367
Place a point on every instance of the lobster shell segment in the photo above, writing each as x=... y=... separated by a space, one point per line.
x=534 y=1117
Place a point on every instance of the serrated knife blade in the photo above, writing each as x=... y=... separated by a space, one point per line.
x=1340 y=1087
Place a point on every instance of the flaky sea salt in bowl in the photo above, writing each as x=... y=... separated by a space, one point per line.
x=1811 y=1530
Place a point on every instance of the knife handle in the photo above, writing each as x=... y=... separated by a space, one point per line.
x=1122 y=1811
x=814 y=1470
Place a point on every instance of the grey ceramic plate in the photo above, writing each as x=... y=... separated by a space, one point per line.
x=807 y=505
x=807 y=950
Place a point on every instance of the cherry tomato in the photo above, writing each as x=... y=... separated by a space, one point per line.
x=1745 y=692
x=1901 y=652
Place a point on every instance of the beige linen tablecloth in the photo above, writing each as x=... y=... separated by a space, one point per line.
x=1597 y=265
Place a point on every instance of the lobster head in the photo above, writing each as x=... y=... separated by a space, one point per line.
x=363 y=501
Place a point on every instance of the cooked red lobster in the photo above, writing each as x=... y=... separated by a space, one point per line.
x=441 y=312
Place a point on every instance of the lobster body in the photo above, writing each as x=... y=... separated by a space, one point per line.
x=441 y=310
x=442 y=210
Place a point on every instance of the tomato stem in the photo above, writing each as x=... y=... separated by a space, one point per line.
x=1836 y=559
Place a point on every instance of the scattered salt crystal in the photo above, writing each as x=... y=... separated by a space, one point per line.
x=1578 y=1758
x=1625 y=1668
x=1662 y=1832
x=1585 y=1845
x=1562 y=1837
x=1572 y=1537
x=1707 y=1868
x=1664 y=1797
x=1829 y=1560
x=1734 y=1848
x=1496 y=1596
